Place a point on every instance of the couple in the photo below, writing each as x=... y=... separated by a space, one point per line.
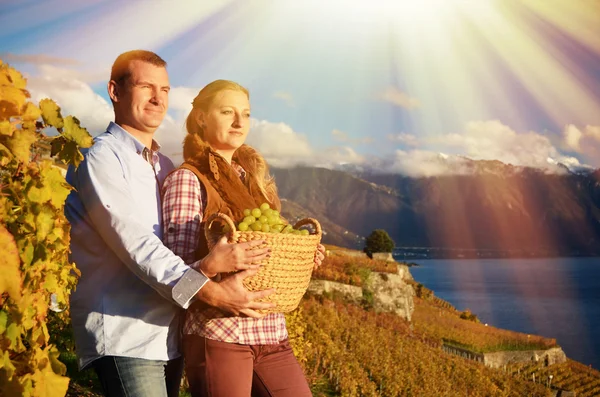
x=137 y=237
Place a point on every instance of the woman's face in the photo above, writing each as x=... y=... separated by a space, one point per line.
x=227 y=121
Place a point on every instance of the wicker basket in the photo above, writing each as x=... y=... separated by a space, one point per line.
x=289 y=267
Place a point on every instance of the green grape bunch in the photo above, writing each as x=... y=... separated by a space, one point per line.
x=267 y=220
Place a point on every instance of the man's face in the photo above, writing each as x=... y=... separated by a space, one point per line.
x=143 y=98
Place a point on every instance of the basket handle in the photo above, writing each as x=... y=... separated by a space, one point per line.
x=308 y=221
x=211 y=219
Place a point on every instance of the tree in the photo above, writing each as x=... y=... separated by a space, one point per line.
x=378 y=241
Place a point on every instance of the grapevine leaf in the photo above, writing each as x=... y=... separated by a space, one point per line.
x=51 y=113
x=26 y=252
x=57 y=145
x=74 y=132
x=44 y=223
x=7 y=365
x=54 y=179
x=51 y=283
x=12 y=100
x=20 y=144
x=46 y=382
x=16 y=78
x=39 y=194
x=3 y=321
x=70 y=154
x=12 y=334
x=57 y=366
x=6 y=128
x=31 y=112
x=9 y=265
x=5 y=155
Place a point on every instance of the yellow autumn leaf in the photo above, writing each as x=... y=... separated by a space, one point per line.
x=44 y=222
x=6 y=128
x=73 y=131
x=57 y=366
x=20 y=144
x=54 y=179
x=51 y=113
x=12 y=100
x=13 y=335
x=7 y=365
x=51 y=283
x=16 y=78
x=10 y=281
x=39 y=194
x=46 y=383
x=30 y=112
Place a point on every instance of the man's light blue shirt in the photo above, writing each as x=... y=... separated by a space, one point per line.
x=132 y=288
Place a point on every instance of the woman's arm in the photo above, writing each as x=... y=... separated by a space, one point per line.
x=183 y=207
x=182 y=211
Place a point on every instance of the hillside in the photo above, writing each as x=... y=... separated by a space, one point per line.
x=498 y=207
x=351 y=350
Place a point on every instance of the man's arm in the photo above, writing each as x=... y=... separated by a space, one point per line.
x=107 y=199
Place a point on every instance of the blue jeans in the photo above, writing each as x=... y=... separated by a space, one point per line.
x=137 y=377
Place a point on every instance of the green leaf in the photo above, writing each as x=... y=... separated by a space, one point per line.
x=9 y=265
x=12 y=334
x=70 y=154
x=74 y=132
x=57 y=145
x=3 y=321
x=51 y=113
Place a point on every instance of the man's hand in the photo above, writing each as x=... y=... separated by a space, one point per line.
x=319 y=256
x=225 y=257
x=230 y=295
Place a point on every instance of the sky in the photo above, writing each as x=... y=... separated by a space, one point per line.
x=396 y=85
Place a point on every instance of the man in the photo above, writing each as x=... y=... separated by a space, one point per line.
x=132 y=288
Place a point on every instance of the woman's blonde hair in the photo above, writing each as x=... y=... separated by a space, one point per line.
x=252 y=162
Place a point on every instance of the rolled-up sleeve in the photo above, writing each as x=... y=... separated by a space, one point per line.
x=107 y=199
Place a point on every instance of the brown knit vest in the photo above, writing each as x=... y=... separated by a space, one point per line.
x=225 y=191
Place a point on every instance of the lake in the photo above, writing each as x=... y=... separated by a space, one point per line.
x=554 y=297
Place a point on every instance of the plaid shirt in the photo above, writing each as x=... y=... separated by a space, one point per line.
x=183 y=203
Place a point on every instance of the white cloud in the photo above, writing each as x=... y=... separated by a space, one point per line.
x=396 y=97
x=405 y=139
x=584 y=141
x=284 y=147
x=492 y=140
x=180 y=99
x=285 y=97
x=74 y=96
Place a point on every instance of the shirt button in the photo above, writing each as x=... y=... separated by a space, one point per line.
x=171 y=229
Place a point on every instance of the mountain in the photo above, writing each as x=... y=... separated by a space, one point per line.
x=495 y=206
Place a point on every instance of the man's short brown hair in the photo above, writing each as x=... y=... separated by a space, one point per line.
x=120 y=68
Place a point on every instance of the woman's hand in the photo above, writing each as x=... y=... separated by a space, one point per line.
x=319 y=256
x=225 y=257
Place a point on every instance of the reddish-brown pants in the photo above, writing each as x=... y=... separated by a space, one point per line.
x=221 y=369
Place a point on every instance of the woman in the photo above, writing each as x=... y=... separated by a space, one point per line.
x=226 y=355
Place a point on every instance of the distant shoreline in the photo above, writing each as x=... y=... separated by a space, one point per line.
x=418 y=253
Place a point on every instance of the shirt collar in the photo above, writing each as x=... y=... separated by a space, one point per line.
x=121 y=135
